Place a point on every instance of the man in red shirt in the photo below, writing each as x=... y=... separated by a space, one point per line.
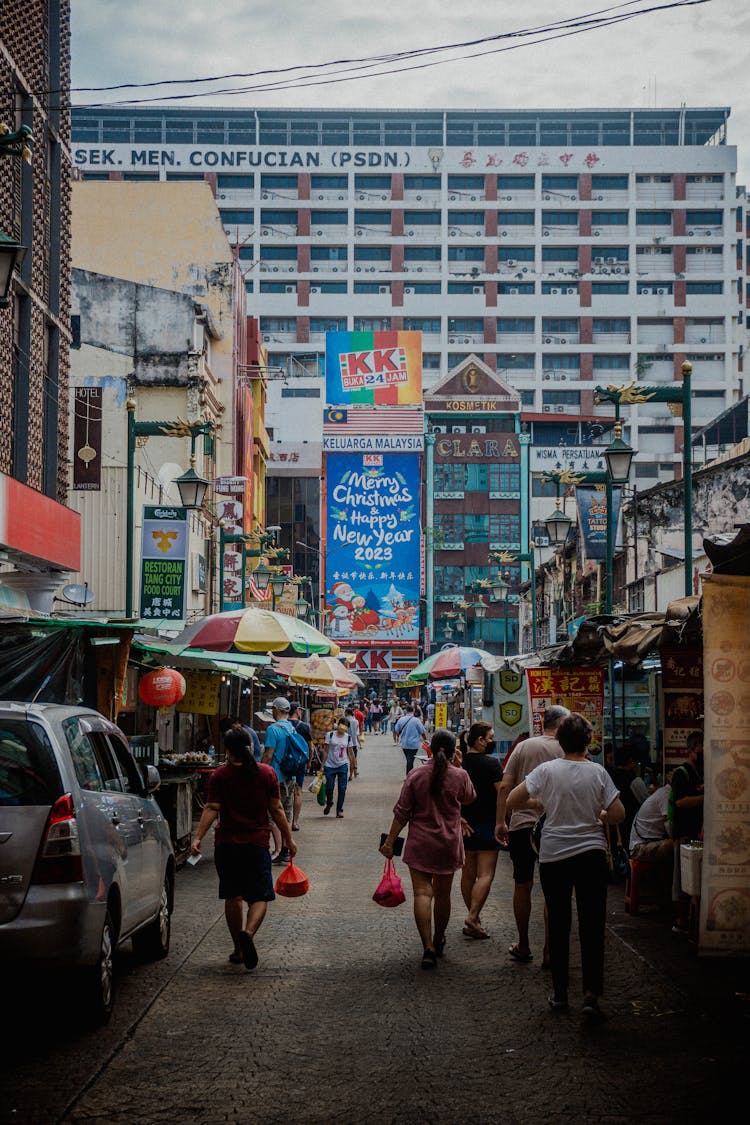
x=242 y=794
x=359 y=715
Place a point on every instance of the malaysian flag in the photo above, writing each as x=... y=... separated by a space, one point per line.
x=379 y=420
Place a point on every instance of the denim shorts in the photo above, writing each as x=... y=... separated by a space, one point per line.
x=482 y=839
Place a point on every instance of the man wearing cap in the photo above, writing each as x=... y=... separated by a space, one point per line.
x=273 y=753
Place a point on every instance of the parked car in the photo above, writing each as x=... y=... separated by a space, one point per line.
x=85 y=855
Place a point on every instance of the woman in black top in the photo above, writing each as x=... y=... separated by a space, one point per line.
x=481 y=846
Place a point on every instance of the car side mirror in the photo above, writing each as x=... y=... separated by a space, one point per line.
x=151 y=778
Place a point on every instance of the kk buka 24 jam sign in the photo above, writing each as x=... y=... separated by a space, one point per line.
x=373 y=368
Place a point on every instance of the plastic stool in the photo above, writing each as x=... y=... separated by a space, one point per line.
x=633 y=895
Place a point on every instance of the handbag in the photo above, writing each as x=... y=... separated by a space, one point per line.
x=316 y=783
x=389 y=891
x=322 y=795
x=618 y=860
x=292 y=882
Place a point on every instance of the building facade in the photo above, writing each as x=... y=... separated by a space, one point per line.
x=39 y=537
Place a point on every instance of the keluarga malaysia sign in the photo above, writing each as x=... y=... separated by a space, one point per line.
x=373 y=549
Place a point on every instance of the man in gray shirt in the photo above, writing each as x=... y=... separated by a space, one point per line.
x=527 y=756
x=410 y=731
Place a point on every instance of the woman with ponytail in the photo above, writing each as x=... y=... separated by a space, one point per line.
x=430 y=803
x=243 y=794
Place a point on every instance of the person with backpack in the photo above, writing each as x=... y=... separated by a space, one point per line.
x=285 y=751
x=295 y=718
x=336 y=766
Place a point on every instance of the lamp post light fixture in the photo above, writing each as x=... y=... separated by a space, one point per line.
x=500 y=591
x=558 y=526
x=262 y=576
x=619 y=457
x=302 y=606
x=192 y=487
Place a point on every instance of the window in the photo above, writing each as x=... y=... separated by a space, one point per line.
x=372 y=253
x=273 y=287
x=705 y=218
x=611 y=362
x=527 y=398
x=278 y=253
x=557 y=287
x=653 y=218
x=505 y=527
x=515 y=324
x=236 y=182
x=704 y=250
x=560 y=254
x=372 y=183
x=328 y=324
x=600 y=288
x=249 y=285
x=330 y=183
x=465 y=254
x=559 y=326
x=328 y=253
x=449 y=581
x=449 y=477
x=560 y=183
x=372 y=218
x=421 y=253
x=465 y=324
x=278 y=218
x=332 y=286
x=555 y=362
x=28 y=772
x=515 y=254
x=462 y=287
x=515 y=183
x=465 y=183
x=372 y=324
x=515 y=218
x=466 y=218
x=559 y=218
x=706 y=179
x=609 y=218
x=520 y=289
x=694 y=287
x=422 y=183
x=272 y=182
x=475 y=479
x=430 y=361
x=278 y=324
x=235 y=216
x=650 y=179
x=300 y=392
x=505 y=478
x=475 y=527
x=561 y=398
x=329 y=218
x=422 y=218
x=619 y=253
x=246 y=253
x=507 y=361
x=541 y=487
x=449 y=528
x=608 y=183
x=662 y=288
x=610 y=325
x=421 y=324
x=422 y=287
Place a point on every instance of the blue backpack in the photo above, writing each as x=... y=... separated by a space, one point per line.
x=295 y=755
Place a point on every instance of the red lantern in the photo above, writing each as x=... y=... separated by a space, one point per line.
x=162 y=687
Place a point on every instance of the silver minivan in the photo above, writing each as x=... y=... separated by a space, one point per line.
x=85 y=855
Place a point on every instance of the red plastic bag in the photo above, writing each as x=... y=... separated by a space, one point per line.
x=389 y=892
x=292 y=882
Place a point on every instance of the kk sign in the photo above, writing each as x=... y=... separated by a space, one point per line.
x=374 y=368
x=373 y=660
x=163 y=561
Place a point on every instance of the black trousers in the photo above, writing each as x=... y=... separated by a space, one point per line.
x=587 y=875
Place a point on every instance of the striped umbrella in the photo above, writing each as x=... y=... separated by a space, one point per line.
x=256 y=630
x=448 y=663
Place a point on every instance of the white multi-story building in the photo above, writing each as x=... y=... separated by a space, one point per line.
x=565 y=248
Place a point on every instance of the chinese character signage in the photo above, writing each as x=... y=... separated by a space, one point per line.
x=592 y=516
x=202 y=694
x=578 y=689
x=163 y=561
x=373 y=547
x=682 y=694
x=725 y=886
x=374 y=368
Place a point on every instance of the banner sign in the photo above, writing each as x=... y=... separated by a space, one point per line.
x=578 y=689
x=201 y=695
x=725 y=879
x=559 y=458
x=374 y=368
x=592 y=518
x=441 y=715
x=682 y=694
x=373 y=443
x=87 y=439
x=163 y=561
x=373 y=548
x=511 y=712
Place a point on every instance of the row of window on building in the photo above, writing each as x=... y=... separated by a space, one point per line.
x=516 y=289
x=554 y=330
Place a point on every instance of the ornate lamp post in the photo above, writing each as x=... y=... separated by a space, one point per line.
x=500 y=591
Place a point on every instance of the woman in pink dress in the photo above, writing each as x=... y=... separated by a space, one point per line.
x=430 y=803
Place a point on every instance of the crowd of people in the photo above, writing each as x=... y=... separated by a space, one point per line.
x=550 y=805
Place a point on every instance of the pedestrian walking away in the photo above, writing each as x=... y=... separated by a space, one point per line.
x=480 y=844
x=273 y=753
x=303 y=728
x=526 y=756
x=430 y=803
x=337 y=764
x=579 y=800
x=410 y=731
x=242 y=795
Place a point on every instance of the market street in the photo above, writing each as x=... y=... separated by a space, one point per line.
x=337 y=1023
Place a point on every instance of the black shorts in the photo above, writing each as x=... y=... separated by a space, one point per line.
x=482 y=839
x=244 y=872
x=522 y=854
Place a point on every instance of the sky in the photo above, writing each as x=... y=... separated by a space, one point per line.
x=693 y=55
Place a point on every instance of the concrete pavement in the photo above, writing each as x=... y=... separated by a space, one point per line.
x=338 y=1022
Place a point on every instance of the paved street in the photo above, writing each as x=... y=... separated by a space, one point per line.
x=338 y=1023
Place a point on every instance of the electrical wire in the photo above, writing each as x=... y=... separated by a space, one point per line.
x=347 y=70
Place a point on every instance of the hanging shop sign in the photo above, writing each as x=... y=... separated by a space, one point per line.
x=201 y=693
x=578 y=689
x=163 y=561
x=592 y=518
x=682 y=694
x=87 y=439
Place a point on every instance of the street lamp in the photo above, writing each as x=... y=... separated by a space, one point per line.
x=500 y=591
x=558 y=526
x=302 y=606
x=192 y=488
x=262 y=577
x=619 y=456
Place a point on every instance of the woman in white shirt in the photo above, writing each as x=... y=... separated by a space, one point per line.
x=336 y=765
x=578 y=798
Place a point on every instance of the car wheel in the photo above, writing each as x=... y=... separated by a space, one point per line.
x=152 y=942
x=99 y=980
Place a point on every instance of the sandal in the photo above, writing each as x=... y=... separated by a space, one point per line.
x=476 y=932
x=429 y=959
x=556 y=1005
x=517 y=955
x=236 y=959
x=439 y=947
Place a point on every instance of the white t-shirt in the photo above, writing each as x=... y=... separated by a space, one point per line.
x=651 y=819
x=526 y=757
x=337 y=749
x=573 y=794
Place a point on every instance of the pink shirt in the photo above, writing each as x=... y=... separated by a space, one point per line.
x=434 y=844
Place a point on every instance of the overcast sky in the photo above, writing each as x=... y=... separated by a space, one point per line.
x=696 y=55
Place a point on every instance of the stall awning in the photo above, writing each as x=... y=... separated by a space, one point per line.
x=242 y=664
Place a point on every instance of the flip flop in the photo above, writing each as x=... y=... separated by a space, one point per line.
x=516 y=954
x=236 y=959
x=249 y=952
x=476 y=932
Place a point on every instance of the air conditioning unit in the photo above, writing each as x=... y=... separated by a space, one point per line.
x=559 y=410
x=384 y=289
x=503 y=234
x=265 y=195
x=596 y=233
x=409 y=289
x=454 y=231
x=548 y=197
x=599 y=260
x=358 y=269
x=571 y=289
x=704 y=339
x=266 y=339
x=359 y=230
x=545 y=233
x=315 y=289
x=691 y=233
x=554 y=289
x=321 y=197
x=661 y=291
x=439 y=429
x=453 y=197
x=476 y=289
x=600 y=197
x=275 y=269
x=513 y=289
x=467 y=340
x=418 y=197
x=361 y=196
x=222 y=195
x=548 y=339
x=510 y=262
x=508 y=197
x=546 y=409
x=290 y=288
x=316 y=269
x=411 y=232
x=452 y=340
x=372 y=269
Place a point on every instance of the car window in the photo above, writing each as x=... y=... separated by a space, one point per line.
x=131 y=780
x=105 y=760
x=84 y=758
x=28 y=770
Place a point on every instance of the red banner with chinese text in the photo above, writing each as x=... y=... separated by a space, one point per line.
x=578 y=689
